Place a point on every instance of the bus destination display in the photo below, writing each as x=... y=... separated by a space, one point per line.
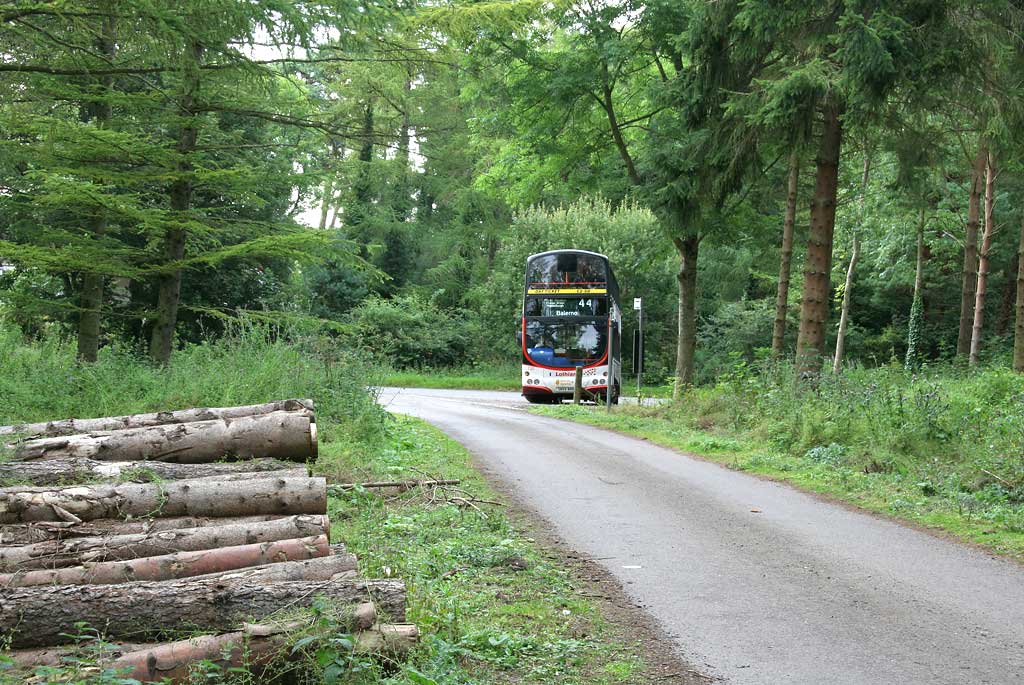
x=566 y=306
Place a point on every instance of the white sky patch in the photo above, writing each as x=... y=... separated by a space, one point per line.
x=263 y=48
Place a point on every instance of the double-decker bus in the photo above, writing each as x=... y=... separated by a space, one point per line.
x=571 y=318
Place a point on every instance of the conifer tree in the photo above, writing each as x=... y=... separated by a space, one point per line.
x=158 y=177
x=836 y=62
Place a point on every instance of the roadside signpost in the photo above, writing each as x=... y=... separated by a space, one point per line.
x=638 y=346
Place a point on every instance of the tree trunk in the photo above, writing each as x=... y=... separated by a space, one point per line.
x=814 y=305
x=919 y=262
x=17 y=534
x=177 y=498
x=1018 y=328
x=285 y=435
x=786 y=256
x=90 y=298
x=400 y=196
x=844 y=314
x=50 y=615
x=169 y=283
x=1009 y=298
x=113 y=423
x=357 y=211
x=687 y=332
x=916 y=321
x=82 y=470
x=90 y=302
x=325 y=202
x=177 y=565
x=969 y=283
x=75 y=552
x=983 y=261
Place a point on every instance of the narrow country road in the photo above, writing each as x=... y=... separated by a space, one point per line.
x=755 y=582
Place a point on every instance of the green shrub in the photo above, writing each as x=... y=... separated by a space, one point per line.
x=832 y=454
x=411 y=332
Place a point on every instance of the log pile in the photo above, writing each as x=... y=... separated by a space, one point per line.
x=197 y=521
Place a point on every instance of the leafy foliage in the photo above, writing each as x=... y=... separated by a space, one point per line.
x=410 y=332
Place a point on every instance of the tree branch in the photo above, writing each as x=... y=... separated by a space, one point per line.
x=114 y=71
x=616 y=128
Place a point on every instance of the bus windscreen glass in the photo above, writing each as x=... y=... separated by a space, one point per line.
x=566 y=268
x=564 y=345
x=566 y=306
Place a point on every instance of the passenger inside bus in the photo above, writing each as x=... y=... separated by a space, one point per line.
x=544 y=352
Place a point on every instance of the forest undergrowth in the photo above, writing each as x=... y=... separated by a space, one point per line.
x=942 y=447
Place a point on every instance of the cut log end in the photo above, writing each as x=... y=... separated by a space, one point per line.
x=388 y=639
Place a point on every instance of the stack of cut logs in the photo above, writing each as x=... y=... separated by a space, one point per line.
x=152 y=525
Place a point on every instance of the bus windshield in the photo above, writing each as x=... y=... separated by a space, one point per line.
x=565 y=344
x=566 y=306
x=566 y=268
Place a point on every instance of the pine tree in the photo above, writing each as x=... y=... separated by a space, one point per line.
x=159 y=177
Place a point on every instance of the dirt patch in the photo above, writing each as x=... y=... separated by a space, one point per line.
x=631 y=624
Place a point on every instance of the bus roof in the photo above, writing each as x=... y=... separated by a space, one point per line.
x=568 y=250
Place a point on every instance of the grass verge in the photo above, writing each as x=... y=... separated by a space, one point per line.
x=470 y=378
x=983 y=516
x=493 y=607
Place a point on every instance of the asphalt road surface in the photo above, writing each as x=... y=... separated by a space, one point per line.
x=754 y=581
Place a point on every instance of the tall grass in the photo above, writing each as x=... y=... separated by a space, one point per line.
x=41 y=380
x=944 y=446
x=965 y=425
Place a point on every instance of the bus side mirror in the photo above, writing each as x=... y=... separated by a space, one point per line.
x=519 y=337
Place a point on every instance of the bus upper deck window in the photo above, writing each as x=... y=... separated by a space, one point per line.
x=567 y=268
x=567 y=265
x=589 y=270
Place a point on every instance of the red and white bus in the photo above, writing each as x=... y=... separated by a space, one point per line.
x=571 y=318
